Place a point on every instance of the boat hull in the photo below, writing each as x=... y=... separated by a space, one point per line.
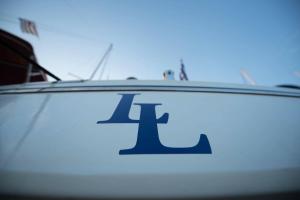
x=67 y=141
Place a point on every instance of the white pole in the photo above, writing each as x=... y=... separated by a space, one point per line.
x=247 y=78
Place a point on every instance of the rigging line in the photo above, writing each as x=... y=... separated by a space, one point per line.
x=75 y=11
x=108 y=73
x=104 y=66
x=27 y=131
x=9 y=20
x=16 y=51
x=50 y=29
x=101 y=61
x=76 y=76
x=78 y=14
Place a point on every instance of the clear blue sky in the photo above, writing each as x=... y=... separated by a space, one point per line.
x=216 y=38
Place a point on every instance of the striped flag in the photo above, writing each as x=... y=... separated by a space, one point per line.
x=28 y=26
x=182 y=74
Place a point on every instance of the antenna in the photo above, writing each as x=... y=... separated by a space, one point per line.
x=182 y=74
x=247 y=78
x=101 y=61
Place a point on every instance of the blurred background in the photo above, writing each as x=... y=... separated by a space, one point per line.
x=231 y=41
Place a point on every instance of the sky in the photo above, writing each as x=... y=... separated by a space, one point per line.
x=215 y=38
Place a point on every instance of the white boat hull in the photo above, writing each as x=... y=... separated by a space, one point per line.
x=52 y=145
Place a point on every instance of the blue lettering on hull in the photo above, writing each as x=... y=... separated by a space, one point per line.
x=147 y=138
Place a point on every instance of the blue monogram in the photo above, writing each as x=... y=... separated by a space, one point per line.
x=147 y=139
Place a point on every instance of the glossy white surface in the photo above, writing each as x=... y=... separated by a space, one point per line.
x=50 y=142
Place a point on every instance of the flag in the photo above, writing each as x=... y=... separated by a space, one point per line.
x=182 y=74
x=28 y=26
